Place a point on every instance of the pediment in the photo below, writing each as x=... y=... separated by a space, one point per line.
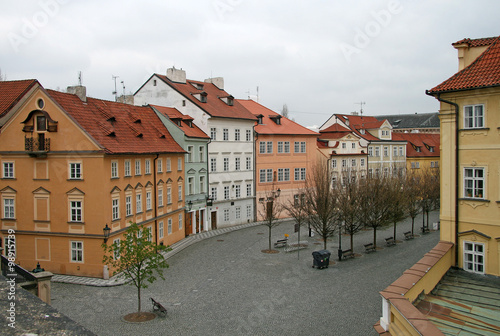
x=75 y=191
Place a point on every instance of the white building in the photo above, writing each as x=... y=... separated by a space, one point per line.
x=231 y=149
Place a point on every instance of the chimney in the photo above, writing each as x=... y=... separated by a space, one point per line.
x=217 y=81
x=176 y=75
x=80 y=91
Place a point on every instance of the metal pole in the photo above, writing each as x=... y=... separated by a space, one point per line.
x=340 y=244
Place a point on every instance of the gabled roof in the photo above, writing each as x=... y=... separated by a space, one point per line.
x=118 y=128
x=425 y=141
x=334 y=132
x=357 y=123
x=417 y=120
x=214 y=105
x=12 y=91
x=483 y=72
x=269 y=126
x=479 y=42
x=188 y=127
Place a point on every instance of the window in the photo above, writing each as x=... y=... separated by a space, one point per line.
x=226 y=215
x=362 y=162
x=77 y=251
x=8 y=170
x=226 y=192
x=149 y=233
x=431 y=149
x=249 y=135
x=138 y=203
x=262 y=175
x=344 y=145
x=160 y=197
x=415 y=165
x=190 y=154
x=41 y=123
x=344 y=163
x=300 y=174
x=474 y=257
x=401 y=151
x=114 y=169
x=287 y=147
x=386 y=151
x=377 y=151
x=300 y=147
x=237 y=191
x=303 y=147
x=116 y=252
x=160 y=229
x=213 y=164
x=474 y=182
x=249 y=190
x=225 y=134
x=370 y=151
x=269 y=147
x=147 y=166
x=249 y=163
x=270 y=175
x=169 y=195
x=283 y=174
x=386 y=172
x=137 y=167
x=280 y=146
x=179 y=192
x=148 y=201
x=202 y=184
x=434 y=164
x=394 y=151
x=159 y=166
x=201 y=153
x=213 y=133
x=115 y=209
x=169 y=226
x=75 y=211
x=353 y=162
x=249 y=211
x=226 y=164
x=180 y=221
x=237 y=164
x=353 y=145
x=75 y=171
x=8 y=208
x=473 y=116
x=262 y=147
x=213 y=193
x=190 y=185
x=237 y=212
x=237 y=135
x=334 y=163
x=169 y=165
x=128 y=205
x=179 y=164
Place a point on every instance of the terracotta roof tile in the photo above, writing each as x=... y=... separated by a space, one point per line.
x=483 y=72
x=424 y=141
x=268 y=126
x=119 y=128
x=188 y=127
x=480 y=42
x=12 y=91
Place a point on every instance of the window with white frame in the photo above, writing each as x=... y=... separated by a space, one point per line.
x=226 y=164
x=147 y=166
x=302 y=146
x=190 y=153
x=353 y=145
x=270 y=175
x=169 y=226
x=115 y=208
x=344 y=163
x=226 y=215
x=474 y=182
x=169 y=165
x=300 y=174
x=75 y=208
x=262 y=147
x=159 y=166
x=179 y=164
x=213 y=164
x=262 y=175
x=370 y=151
x=249 y=190
x=283 y=174
x=394 y=151
x=249 y=135
x=248 y=163
x=128 y=206
x=237 y=191
x=77 y=251
x=226 y=192
x=138 y=203
x=362 y=162
x=386 y=151
x=237 y=212
x=344 y=145
x=401 y=151
x=160 y=229
x=160 y=197
x=249 y=211
x=148 y=201
x=269 y=147
x=213 y=193
x=114 y=169
x=75 y=171
x=137 y=167
x=353 y=162
x=149 y=233
x=213 y=133
x=190 y=185
x=474 y=116
x=386 y=172
x=474 y=257
x=116 y=251
x=9 y=208
x=8 y=169
x=127 y=171
x=169 y=195
x=201 y=153
x=180 y=221
x=237 y=163
x=415 y=165
x=237 y=134
x=225 y=134
x=334 y=163
x=202 y=185
x=280 y=147
x=377 y=151
x=179 y=192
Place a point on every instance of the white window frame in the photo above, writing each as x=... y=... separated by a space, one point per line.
x=213 y=133
x=269 y=147
x=169 y=165
x=474 y=180
x=138 y=203
x=237 y=163
x=148 y=201
x=75 y=171
x=160 y=197
x=225 y=134
x=190 y=190
x=473 y=259
x=237 y=135
x=76 y=211
x=180 y=221
x=474 y=116
x=169 y=195
x=226 y=192
x=237 y=212
x=8 y=170
x=226 y=215
x=190 y=150
x=147 y=166
x=202 y=184
x=213 y=193
x=179 y=164
x=248 y=163
x=160 y=229
x=201 y=153
x=115 y=208
x=9 y=208
x=127 y=169
x=225 y=166
x=213 y=164
x=159 y=166
x=249 y=189
x=128 y=205
x=169 y=226
x=76 y=251
x=249 y=135
x=179 y=192
x=114 y=169
x=237 y=191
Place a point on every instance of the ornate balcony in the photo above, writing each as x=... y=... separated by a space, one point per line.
x=37 y=146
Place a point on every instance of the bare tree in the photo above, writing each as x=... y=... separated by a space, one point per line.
x=284 y=111
x=397 y=200
x=375 y=205
x=413 y=199
x=348 y=204
x=297 y=209
x=321 y=203
x=3 y=77
x=270 y=210
x=429 y=192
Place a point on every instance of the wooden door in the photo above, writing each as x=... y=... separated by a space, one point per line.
x=189 y=223
x=213 y=216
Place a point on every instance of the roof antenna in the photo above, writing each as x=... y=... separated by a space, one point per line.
x=361 y=107
x=123 y=84
x=115 y=92
x=79 y=78
x=257 y=94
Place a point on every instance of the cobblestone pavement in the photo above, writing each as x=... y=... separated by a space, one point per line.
x=225 y=285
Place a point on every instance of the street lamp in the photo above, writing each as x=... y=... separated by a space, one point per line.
x=106 y=230
x=189 y=205
x=38 y=269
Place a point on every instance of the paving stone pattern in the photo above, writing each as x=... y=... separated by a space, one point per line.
x=220 y=283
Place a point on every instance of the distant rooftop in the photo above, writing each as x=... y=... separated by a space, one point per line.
x=412 y=121
x=464 y=303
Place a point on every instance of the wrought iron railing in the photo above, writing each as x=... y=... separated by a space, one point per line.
x=36 y=145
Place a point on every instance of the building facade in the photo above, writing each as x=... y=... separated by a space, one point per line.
x=422 y=150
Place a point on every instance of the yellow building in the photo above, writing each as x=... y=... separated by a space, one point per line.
x=72 y=165
x=422 y=150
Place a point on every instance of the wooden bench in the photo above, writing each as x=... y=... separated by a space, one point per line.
x=297 y=246
x=281 y=243
x=408 y=235
x=158 y=308
x=347 y=254
x=424 y=229
x=369 y=248
x=390 y=241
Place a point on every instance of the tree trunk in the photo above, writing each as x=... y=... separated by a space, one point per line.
x=269 y=237
x=139 y=298
x=395 y=224
x=324 y=242
x=352 y=242
x=375 y=237
x=412 y=223
x=427 y=212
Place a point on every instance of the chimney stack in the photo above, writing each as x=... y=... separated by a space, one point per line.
x=217 y=81
x=176 y=75
x=80 y=91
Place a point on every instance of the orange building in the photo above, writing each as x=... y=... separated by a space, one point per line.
x=73 y=165
x=285 y=153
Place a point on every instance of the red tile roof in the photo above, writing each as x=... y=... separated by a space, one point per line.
x=483 y=72
x=119 y=128
x=214 y=106
x=356 y=123
x=12 y=91
x=480 y=42
x=188 y=127
x=425 y=141
x=268 y=126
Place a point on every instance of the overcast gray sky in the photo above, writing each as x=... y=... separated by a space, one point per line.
x=317 y=56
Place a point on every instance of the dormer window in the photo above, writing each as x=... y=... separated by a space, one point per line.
x=190 y=123
x=418 y=149
x=431 y=149
x=276 y=119
x=259 y=119
x=229 y=100
x=197 y=86
x=362 y=131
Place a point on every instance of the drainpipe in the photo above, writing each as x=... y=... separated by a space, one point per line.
x=255 y=137
x=457 y=166
x=155 y=196
x=208 y=211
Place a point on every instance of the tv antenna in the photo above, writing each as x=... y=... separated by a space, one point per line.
x=79 y=78
x=361 y=107
x=123 y=85
x=115 y=92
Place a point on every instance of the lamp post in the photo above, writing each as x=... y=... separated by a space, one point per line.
x=106 y=230
x=189 y=205
x=38 y=269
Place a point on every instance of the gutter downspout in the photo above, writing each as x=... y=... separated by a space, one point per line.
x=155 y=196
x=209 y=211
x=457 y=166
x=255 y=137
